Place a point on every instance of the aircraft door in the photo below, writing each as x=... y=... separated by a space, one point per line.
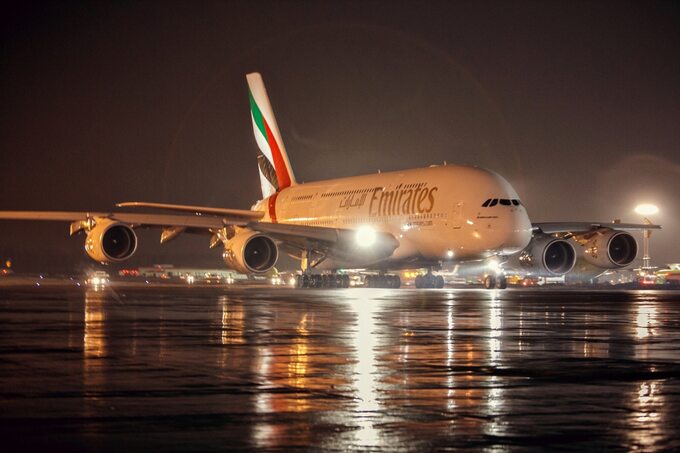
x=458 y=214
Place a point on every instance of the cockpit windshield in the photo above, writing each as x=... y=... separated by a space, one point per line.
x=503 y=201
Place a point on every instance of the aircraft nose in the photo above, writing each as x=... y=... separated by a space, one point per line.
x=518 y=233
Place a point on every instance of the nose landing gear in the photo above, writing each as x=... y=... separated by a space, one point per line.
x=492 y=281
x=429 y=280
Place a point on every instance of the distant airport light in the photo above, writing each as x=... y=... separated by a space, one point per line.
x=365 y=236
x=646 y=209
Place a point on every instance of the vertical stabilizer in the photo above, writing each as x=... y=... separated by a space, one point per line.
x=275 y=171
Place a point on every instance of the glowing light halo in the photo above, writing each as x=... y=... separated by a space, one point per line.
x=646 y=209
x=365 y=236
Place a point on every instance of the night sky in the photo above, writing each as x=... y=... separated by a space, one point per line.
x=577 y=104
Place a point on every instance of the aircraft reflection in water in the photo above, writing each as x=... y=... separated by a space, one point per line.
x=368 y=362
x=369 y=368
x=94 y=351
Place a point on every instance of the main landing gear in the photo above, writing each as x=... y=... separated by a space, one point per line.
x=383 y=281
x=429 y=280
x=322 y=281
x=492 y=281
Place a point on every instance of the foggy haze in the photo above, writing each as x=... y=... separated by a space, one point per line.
x=577 y=105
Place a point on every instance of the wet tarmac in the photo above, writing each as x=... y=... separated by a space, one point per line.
x=170 y=368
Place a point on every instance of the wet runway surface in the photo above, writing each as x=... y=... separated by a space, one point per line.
x=215 y=369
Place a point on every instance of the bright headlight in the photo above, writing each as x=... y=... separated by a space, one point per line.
x=493 y=264
x=365 y=236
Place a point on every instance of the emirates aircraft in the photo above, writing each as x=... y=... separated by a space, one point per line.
x=420 y=218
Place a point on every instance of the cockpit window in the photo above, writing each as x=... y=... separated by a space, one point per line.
x=505 y=202
x=486 y=203
x=494 y=202
x=515 y=202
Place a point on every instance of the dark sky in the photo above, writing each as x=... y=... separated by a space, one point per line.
x=577 y=104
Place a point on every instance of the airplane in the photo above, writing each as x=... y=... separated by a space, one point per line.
x=414 y=218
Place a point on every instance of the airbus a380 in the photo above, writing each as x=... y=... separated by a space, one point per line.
x=416 y=218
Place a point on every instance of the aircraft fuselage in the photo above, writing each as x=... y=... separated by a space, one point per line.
x=436 y=213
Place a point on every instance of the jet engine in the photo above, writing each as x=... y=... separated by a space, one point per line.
x=547 y=254
x=610 y=249
x=250 y=252
x=110 y=241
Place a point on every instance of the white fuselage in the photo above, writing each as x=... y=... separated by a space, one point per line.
x=435 y=213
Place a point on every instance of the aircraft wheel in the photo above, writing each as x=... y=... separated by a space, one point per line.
x=439 y=281
x=429 y=281
x=345 y=281
x=396 y=282
x=419 y=281
x=501 y=282
x=489 y=282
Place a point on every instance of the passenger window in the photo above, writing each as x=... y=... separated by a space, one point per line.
x=494 y=202
x=486 y=203
x=515 y=202
x=505 y=202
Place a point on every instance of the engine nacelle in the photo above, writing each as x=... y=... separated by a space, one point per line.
x=610 y=249
x=110 y=241
x=547 y=254
x=250 y=252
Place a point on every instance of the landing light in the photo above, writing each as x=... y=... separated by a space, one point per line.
x=646 y=209
x=449 y=253
x=493 y=265
x=365 y=236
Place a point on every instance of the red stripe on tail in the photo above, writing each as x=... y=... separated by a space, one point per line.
x=279 y=164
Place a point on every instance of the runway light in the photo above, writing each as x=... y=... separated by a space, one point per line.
x=646 y=209
x=365 y=236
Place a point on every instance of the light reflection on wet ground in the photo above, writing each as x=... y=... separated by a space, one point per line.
x=177 y=369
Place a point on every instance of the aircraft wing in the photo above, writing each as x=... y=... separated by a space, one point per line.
x=583 y=227
x=136 y=220
x=198 y=210
x=337 y=242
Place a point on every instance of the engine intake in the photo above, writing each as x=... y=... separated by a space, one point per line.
x=547 y=254
x=250 y=252
x=611 y=249
x=110 y=241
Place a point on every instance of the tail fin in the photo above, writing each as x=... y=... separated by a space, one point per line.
x=275 y=171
